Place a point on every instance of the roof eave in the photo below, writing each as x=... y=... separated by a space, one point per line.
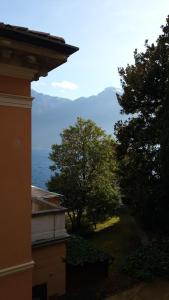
x=46 y=42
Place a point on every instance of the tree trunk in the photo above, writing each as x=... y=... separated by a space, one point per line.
x=78 y=219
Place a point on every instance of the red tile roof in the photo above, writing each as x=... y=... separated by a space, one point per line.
x=37 y=38
x=43 y=194
x=25 y=30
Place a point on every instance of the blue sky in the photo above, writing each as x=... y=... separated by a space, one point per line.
x=106 y=31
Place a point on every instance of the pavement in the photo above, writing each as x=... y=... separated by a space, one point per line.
x=158 y=290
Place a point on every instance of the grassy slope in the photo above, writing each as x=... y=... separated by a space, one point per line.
x=118 y=236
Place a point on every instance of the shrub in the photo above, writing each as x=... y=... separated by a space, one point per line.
x=84 y=230
x=79 y=252
x=149 y=262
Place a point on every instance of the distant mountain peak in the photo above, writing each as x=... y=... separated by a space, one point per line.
x=112 y=89
x=51 y=114
x=109 y=89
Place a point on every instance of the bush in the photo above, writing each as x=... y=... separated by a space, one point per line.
x=149 y=262
x=79 y=252
x=84 y=230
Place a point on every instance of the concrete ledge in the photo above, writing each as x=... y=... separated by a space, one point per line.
x=43 y=243
x=15 y=100
x=16 y=269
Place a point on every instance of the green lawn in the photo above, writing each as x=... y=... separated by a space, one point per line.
x=118 y=236
x=107 y=223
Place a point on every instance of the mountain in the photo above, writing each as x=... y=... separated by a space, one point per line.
x=51 y=114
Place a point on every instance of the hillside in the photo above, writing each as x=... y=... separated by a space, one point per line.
x=51 y=114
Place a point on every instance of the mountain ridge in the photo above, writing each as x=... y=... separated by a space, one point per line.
x=50 y=114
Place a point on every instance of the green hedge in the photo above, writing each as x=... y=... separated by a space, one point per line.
x=79 y=252
x=149 y=262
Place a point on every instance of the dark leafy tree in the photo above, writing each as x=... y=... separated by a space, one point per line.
x=84 y=171
x=143 y=140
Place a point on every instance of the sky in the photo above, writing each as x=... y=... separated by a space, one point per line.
x=106 y=32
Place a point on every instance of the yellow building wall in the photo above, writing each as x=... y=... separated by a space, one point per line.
x=50 y=268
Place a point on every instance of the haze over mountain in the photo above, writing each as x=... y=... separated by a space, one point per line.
x=51 y=114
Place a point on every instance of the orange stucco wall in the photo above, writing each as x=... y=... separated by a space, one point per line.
x=50 y=268
x=55 y=200
x=14 y=86
x=17 y=287
x=15 y=192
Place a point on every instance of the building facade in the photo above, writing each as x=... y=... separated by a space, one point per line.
x=48 y=245
x=25 y=55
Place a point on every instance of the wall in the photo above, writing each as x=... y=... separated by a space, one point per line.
x=15 y=191
x=54 y=200
x=17 y=287
x=14 y=86
x=15 y=230
x=48 y=226
x=50 y=267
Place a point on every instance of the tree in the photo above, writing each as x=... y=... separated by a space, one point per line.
x=84 y=171
x=143 y=140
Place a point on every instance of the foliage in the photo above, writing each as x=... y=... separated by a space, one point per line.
x=79 y=252
x=86 y=228
x=143 y=140
x=85 y=172
x=149 y=262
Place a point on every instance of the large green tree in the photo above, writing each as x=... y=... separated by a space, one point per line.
x=143 y=140
x=84 y=171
